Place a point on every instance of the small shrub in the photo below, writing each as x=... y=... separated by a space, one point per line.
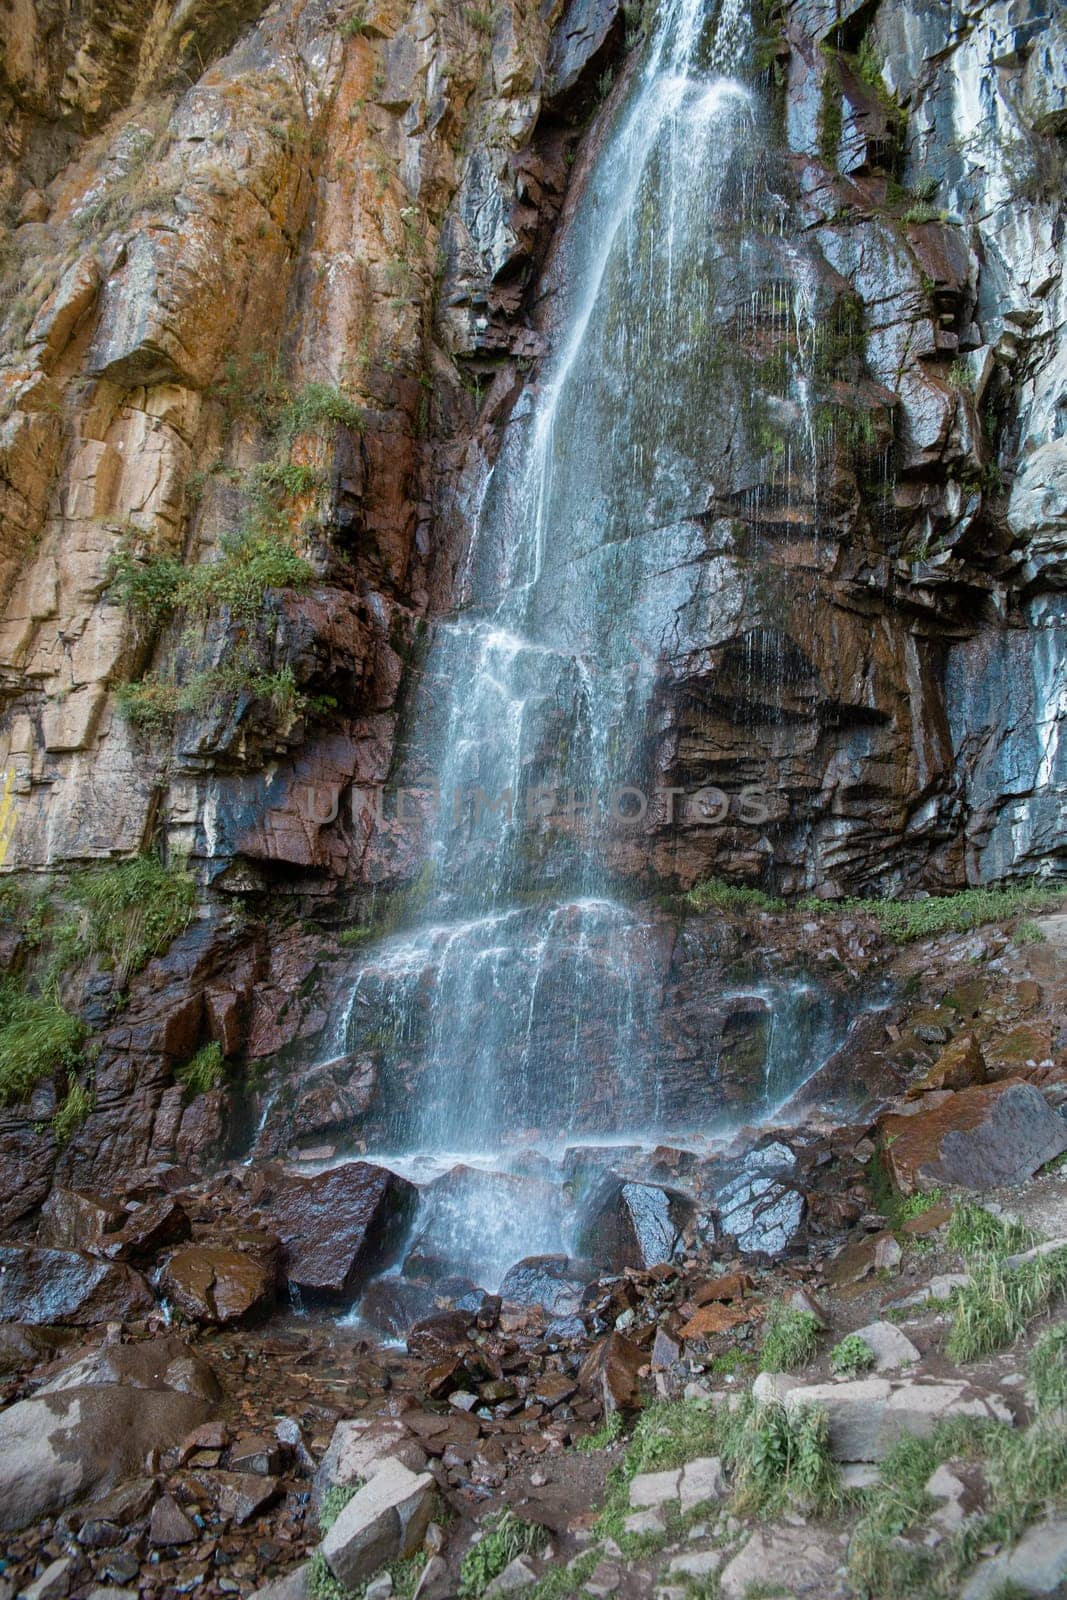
x=155 y=703
x=205 y=1071
x=506 y=1537
x=73 y=1111
x=37 y=1037
x=316 y=404
x=730 y=896
x=1029 y=932
x=790 y=1339
x=783 y=1455
x=1048 y=1368
x=352 y=938
x=851 y=1357
x=251 y=562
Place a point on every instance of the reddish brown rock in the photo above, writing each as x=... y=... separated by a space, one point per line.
x=981 y=1138
x=712 y=1319
x=41 y=1286
x=73 y=1219
x=612 y=1368
x=340 y=1227
x=146 y=1231
x=210 y=1283
x=959 y=1065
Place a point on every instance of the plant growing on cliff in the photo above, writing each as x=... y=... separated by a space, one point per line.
x=251 y=562
x=37 y=1037
x=73 y=1111
x=153 y=703
x=204 y=1071
x=729 y=896
x=129 y=911
x=907 y=920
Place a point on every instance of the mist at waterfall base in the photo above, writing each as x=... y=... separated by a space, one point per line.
x=521 y=1013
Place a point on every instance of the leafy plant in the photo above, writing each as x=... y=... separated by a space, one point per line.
x=205 y=1071
x=37 y=1037
x=154 y=702
x=321 y=1583
x=730 y=896
x=907 y=920
x=851 y=1357
x=251 y=562
x=605 y=1435
x=334 y=1500
x=790 y=1339
x=784 y=1455
x=506 y=1537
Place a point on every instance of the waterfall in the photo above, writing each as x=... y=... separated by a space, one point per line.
x=523 y=1005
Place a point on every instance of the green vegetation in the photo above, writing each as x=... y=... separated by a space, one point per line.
x=790 y=1339
x=729 y=897
x=1024 y=1472
x=154 y=702
x=851 y=1357
x=321 y=1583
x=206 y=1070
x=250 y=563
x=481 y=21
x=830 y=116
x=334 y=1500
x=506 y=1536
x=37 y=1037
x=975 y=1231
x=1000 y=1302
x=352 y=938
x=731 y=1363
x=129 y=912
x=605 y=1435
x=780 y=1456
x=907 y=920
x=73 y=1110
x=1048 y=1368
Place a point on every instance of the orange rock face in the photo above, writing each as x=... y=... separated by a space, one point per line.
x=992 y=1134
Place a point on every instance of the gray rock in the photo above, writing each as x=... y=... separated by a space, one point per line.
x=516 y=1576
x=697 y=1564
x=384 y=1521
x=702 y=1479
x=867 y=1416
x=642 y=1522
x=1036 y=1565
x=360 y=1447
x=796 y=1560
x=654 y=1488
x=891 y=1347
x=291 y=1586
x=53 y=1583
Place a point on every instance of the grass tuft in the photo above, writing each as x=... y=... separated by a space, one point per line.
x=73 y=1111
x=604 y=1436
x=37 y=1037
x=790 y=1339
x=205 y=1071
x=907 y=920
x=729 y=897
x=1000 y=1302
x=506 y=1537
x=1048 y=1368
x=975 y=1231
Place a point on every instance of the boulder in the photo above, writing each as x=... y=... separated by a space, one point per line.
x=555 y=1282
x=384 y=1521
x=960 y=1065
x=1036 y=1565
x=868 y=1416
x=702 y=1479
x=146 y=1231
x=797 y=1561
x=95 y=1423
x=214 y=1284
x=993 y=1135
x=40 y=1286
x=892 y=1348
x=340 y=1227
x=294 y=1585
x=612 y=1368
x=360 y=1447
x=632 y=1225
x=73 y=1219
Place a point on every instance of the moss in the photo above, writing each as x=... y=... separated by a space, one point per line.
x=830 y=116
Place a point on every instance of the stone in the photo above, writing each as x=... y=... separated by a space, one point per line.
x=709 y=1320
x=359 y=1447
x=702 y=1479
x=341 y=1227
x=94 y=1425
x=631 y=1224
x=73 y=1219
x=53 y=1583
x=255 y=1453
x=991 y=1136
x=654 y=1488
x=696 y=1564
x=666 y=1352
x=295 y=1585
x=868 y=1415
x=645 y=1522
x=384 y=1521
x=1036 y=1565
x=555 y=1282
x=168 y=1524
x=45 y=1286
x=794 y=1559
x=240 y=1496
x=217 y=1285
x=517 y=1575
x=960 y=1064
x=614 y=1366
x=146 y=1231
x=892 y=1348
x=941 y=1288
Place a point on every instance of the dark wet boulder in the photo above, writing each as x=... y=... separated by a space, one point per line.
x=217 y=1284
x=555 y=1282
x=341 y=1227
x=438 y=1336
x=92 y=1426
x=392 y=1305
x=145 y=1231
x=73 y=1219
x=632 y=1224
x=44 y=1286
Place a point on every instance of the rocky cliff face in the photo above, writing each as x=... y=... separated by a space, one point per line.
x=276 y=279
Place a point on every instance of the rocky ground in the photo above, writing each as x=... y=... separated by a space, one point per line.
x=619 y=1427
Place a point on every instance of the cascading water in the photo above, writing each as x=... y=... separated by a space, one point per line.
x=524 y=1005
